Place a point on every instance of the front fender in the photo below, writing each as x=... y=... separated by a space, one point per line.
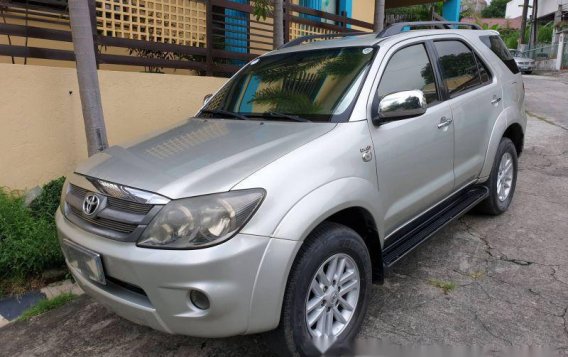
x=326 y=200
x=289 y=234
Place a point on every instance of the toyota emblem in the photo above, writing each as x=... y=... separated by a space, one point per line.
x=91 y=204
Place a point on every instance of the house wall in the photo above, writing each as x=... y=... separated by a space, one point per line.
x=514 y=9
x=547 y=7
x=41 y=125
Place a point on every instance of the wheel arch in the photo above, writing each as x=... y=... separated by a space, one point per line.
x=517 y=136
x=505 y=126
x=353 y=202
x=361 y=221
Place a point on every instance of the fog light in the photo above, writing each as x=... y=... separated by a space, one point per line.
x=199 y=299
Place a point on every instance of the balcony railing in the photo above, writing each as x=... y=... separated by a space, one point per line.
x=214 y=37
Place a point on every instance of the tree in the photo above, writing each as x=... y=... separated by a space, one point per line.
x=495 y=9
x=379 y=21
x=89 y=91
x=278 y=23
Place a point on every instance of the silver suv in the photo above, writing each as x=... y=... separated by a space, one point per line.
x=299 y=183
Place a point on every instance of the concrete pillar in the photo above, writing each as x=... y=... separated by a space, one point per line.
x=451 y=10
x=561 y=43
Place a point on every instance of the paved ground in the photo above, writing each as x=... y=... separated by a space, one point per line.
x=551 y=97
x=510 y=275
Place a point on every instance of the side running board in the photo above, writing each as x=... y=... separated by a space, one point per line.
x=424 y=227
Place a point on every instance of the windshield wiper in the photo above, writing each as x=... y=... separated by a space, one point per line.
x=286 y=116
x=225 y=112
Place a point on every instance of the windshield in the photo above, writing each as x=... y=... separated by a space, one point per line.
x=319 y=85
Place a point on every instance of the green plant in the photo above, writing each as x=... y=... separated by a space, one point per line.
x=446 y=286
x=261 y=8
x=495 y=9
x=46 y=305
x=45 y=205
x=545 y=33
x=28 y=237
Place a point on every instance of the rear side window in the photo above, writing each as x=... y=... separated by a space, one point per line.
x=496 y=44
x=483 y=71
x=409 y=69
x=459 y=67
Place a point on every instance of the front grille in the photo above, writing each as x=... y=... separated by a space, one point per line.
x=105 y=223
x=117 y=203
x=119 y=219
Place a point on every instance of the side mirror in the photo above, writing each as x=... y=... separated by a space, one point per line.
x=207 y=98
x=400 y=105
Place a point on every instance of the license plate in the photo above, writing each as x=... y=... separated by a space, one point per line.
x=87 y=262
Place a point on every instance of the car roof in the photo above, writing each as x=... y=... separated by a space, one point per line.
x=372 y=39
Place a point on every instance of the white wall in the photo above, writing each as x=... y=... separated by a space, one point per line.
x=515 y=8
x=546 y=7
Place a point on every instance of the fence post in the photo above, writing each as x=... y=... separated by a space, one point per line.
x=345 y=19
x=209 y=37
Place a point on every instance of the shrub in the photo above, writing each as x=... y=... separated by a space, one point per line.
x=28 y=237
x=45 y=205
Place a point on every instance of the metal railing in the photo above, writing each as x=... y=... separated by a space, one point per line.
x=542 y=52
x=217 y=39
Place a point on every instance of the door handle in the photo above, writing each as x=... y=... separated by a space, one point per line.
x=495 y=100
x=444 y=122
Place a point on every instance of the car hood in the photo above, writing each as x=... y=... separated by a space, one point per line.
x=201 y=156
x=523 y=59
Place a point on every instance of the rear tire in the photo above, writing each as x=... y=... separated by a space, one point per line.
x=332 y=251
x=502 y=181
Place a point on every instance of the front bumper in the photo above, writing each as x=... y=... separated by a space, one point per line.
x=526 y=67
x=244 y=279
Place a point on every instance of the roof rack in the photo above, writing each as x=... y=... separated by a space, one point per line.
x=300 y=40
x=389 y=31
x=405 y=26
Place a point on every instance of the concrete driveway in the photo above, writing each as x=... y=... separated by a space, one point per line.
x=510 y=275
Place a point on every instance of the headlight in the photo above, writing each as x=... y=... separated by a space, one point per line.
x=202 y=221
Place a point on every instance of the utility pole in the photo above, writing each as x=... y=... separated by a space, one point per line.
x=534 y=28
x=89 y=90
x=522 y=39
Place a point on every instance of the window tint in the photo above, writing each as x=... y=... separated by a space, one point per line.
x=409 y=69
x=458 y=65
x=319 y=85
x=496 y=44
x=483 y=71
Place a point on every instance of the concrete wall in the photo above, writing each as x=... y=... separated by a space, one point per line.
x=41 y=125
x=363 y=10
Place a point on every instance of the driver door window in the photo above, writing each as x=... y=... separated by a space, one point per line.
x=409 y=69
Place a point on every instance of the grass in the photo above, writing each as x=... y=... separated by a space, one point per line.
x=476 y=275
x=446 y=286
x=28 y=238
x=46 y=305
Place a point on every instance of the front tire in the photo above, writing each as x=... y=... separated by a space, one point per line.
x=502 y=181
x=327 y=293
